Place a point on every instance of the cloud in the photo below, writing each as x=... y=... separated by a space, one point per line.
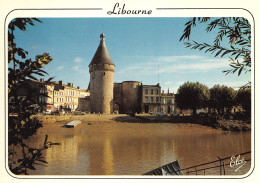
x=78 y=59
x=192 y=67
x=194 y=64
x=233 y=84
x=175 y=58
x=60 y=68
x=75 y=68
x=168 y=82
x=180 y=82
x=156 y=59
x=35 y=47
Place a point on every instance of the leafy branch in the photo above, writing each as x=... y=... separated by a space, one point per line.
x=238 y=33
x=21 y=123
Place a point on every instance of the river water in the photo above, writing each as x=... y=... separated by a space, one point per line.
x=135 y=148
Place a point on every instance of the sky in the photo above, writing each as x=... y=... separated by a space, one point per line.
x=143 y=49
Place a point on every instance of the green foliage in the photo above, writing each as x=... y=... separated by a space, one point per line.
x=222 y=97
x=236 y=30
x=192 y=96
x=243 y=98
x=21 y=124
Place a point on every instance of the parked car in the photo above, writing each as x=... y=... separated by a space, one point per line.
x=55 y=113
x=78 y=113
x=46 y=112
x=161 y=114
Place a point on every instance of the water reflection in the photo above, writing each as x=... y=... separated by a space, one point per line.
x=132 y=151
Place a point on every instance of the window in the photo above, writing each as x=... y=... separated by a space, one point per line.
x=163 y=100
x=157 y=99
x=152 y=91
x=164 y=109
x=146 y=91
x=151 y=99
x=157 y=92
x=146 y=99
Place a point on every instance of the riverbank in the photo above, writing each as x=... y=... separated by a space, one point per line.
x=225 y=125
x=102 y=143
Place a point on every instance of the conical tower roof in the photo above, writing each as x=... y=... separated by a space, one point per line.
x=101 y=56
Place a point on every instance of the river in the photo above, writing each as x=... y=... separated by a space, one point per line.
x=136 y=148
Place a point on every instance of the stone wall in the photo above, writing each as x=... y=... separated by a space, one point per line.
x=118 y=97
x=84 y=104
x=130 y=96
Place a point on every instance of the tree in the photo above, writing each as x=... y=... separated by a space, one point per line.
x=236 y=30
x=21 y=123
x=192 y=96
x=221 y=98
x=243 y=98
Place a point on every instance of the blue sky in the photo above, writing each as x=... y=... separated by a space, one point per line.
x=137 y=46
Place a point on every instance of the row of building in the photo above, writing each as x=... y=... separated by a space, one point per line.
x=53 y=96
x=128 y=97
x=134 y=97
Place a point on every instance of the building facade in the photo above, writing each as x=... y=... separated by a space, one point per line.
x=134 y=97
x=54 y=96
x=66 y=96
x=150 y=98
x=101 y=69
x=167 y=103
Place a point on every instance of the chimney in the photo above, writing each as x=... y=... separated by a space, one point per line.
x=77 y=87
x=60 y=82
x=41 y=80
x=69 y=84
x=162 y=91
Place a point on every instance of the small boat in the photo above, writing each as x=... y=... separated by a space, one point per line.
x=72 y=124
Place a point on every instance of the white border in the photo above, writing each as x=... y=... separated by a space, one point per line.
x=108 y=6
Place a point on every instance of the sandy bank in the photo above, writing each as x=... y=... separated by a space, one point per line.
x=121 y=123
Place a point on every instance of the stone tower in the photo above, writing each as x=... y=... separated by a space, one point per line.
x=101 y=69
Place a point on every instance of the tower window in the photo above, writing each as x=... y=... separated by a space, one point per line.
x=104 y=73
